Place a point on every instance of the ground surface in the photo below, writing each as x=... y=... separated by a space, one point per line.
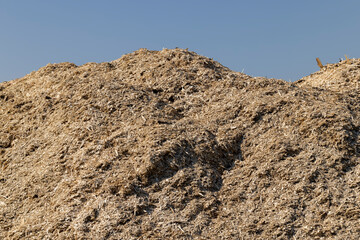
x=172 y=145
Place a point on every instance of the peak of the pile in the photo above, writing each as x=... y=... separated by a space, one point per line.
x=165 y=53
x=178 y=57
x=167 y=69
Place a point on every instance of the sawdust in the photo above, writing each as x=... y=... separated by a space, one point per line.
x=172 y=145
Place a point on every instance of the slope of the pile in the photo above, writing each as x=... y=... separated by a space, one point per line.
x=172 y=145
x=339 y=77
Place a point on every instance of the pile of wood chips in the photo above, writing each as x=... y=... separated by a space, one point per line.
x=172 y=145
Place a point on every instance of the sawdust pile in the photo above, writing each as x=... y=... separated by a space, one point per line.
x=172 y=145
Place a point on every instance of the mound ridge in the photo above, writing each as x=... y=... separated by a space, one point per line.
x=172 y=145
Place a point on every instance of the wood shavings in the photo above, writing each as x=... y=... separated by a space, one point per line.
x=172 y=145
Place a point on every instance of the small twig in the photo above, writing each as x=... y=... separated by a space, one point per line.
x=319 y=63
x=347 y=59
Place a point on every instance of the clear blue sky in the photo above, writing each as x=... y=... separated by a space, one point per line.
x=279 y=39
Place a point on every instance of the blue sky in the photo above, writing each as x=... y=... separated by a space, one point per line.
x=279 y=39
